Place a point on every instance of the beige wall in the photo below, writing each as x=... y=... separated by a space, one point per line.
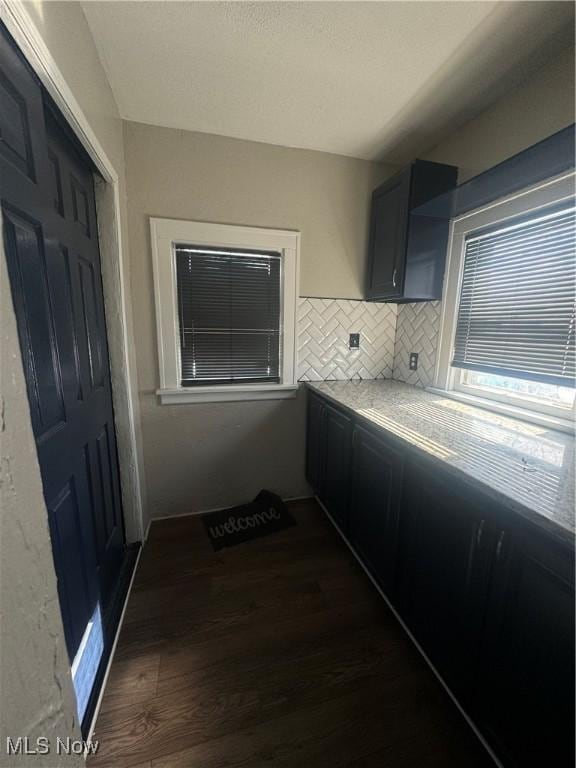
x=65 y=32
x=536 y=109
x=36 y=696
x=205 y=456
x=187 y=175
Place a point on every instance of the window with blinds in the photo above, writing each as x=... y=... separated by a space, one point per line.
x=229 y=315
x=516 y=314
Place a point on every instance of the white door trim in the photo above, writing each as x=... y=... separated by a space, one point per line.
x=19 y=24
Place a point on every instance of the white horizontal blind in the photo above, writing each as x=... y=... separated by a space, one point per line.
x=229 y=313
x=517 y=304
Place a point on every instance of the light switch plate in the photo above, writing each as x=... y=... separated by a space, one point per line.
x=354 y=341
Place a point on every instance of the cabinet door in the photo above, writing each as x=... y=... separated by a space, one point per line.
x=337 y=449
x=445 y=553
x=374 y=502
x=526 y=678
x=314 y=432
x=388 y=233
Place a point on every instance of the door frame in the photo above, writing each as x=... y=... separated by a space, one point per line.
x=113 y=260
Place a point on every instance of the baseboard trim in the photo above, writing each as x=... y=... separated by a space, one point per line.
x=198 y=512
x=412 y=638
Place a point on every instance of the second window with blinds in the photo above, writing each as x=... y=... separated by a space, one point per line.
x=225 y=310
x=508 y=320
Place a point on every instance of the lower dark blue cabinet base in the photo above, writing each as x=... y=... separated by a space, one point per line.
x=489 y=599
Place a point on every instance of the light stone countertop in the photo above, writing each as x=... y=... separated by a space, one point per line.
x=528 y=468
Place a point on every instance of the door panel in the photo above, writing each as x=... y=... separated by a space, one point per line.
x=388 y=232
x=60 y=287
x=93 y=333
x=314 y=451
x=25 y=243
x=377 y=470
x=71 y=541
x=80 y=209
x=446 y=545
x=526 y=678
x=16 y=143
x=56 y=182
x=50 y=233
x=337 y=450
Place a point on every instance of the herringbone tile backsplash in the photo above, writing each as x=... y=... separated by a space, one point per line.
x=324 y=327
x=417 y=330
x=388 y=334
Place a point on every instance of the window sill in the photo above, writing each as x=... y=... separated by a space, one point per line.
x=542 y=419
x=226 y=394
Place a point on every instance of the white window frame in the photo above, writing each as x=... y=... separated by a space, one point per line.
x=447 y=380
x=165 y=233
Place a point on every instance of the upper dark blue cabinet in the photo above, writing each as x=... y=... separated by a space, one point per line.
x=406 y=250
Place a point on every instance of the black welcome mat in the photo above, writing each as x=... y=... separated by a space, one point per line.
x=266 y=514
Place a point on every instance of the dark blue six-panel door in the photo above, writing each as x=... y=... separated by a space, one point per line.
x=51 y=243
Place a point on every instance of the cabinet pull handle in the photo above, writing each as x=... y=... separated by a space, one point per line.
x=480 y=533
x=394 y=277
x=500 y=544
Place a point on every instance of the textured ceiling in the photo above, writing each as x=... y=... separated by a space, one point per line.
x=376 y=80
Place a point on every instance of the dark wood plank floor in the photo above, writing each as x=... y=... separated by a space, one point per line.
x=275 y=652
